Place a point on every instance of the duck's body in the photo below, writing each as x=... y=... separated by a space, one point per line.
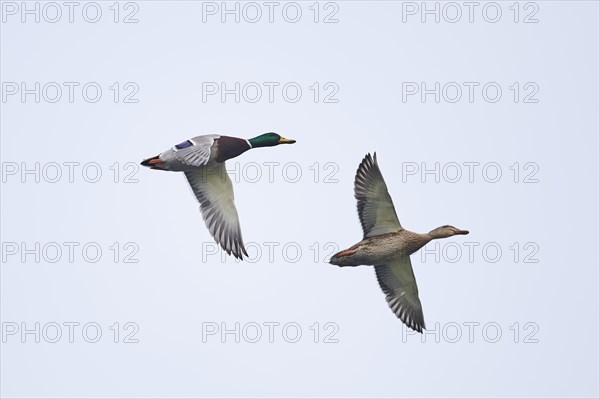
x=202 y=159
x=380 y=249
x=200 y=151
x=387 y=245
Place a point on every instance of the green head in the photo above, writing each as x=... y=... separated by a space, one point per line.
x=269 y=140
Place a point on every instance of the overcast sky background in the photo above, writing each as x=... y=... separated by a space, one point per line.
x=540 y=293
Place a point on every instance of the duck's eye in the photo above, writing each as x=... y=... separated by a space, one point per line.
x=183 y=145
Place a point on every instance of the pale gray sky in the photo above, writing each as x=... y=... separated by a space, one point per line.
x=511 y=309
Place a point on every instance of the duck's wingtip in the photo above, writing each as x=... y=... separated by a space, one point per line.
x=416 y=327
x=370 y=158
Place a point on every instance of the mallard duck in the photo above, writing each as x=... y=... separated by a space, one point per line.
x=202 y=160
x=387 y=245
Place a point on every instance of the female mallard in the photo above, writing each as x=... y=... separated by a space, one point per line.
x=387 y=246
x=202 y=159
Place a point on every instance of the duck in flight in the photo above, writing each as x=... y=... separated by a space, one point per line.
x=202 y=160
x=387 y=245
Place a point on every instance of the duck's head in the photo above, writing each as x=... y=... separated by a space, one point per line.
x=269 y=140
x=446 y=231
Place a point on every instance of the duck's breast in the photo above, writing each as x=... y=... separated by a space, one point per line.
x=230 y=147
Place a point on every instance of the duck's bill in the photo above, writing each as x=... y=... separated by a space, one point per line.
x=464 y=232
x=286 y=141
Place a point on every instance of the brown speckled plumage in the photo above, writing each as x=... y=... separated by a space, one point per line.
x=380 y=249
x=386 y=245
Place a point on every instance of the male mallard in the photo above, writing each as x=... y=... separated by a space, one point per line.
x=387 y=246
x=202 y=159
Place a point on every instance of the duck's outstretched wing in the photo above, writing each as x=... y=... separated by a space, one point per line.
x=213 y=189
x=375 y=207
x=398 y=283
x=196 y=151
